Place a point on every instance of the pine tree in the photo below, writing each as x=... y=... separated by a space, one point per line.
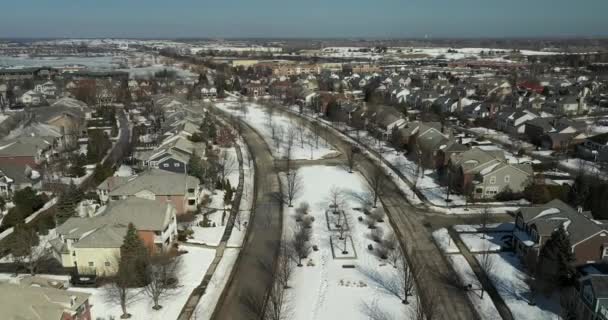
x=556 y=258
x=68 y=203
x=134 y=253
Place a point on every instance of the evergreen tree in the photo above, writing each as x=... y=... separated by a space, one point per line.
x=134 y=253
x=556 y=258
x=195 y=166
x=68 y=203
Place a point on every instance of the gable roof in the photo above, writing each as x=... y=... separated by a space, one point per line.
x=24 y=146
x=159 y=182
x=556 y=213
x=20 y=302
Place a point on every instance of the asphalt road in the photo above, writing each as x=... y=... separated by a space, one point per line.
x=251 y=274
x=450 y=302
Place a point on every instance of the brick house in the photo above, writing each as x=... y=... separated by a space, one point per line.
x=534 y=225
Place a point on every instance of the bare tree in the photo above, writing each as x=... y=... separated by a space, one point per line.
x=301 y=247
x=27 y=249
x=226 y=164
x=426 y=301
x=119 y=290
x=487 y=265
x=277 y=302
x=350 y=158
x=377 y=184
x=301 y=134
x=161 y=277
x=285 y=264
x=399 y=283
x=373 y=311
x=336 y=199
x=290 y=139
x=484 y=217
x=295 y=186
x=365 y=200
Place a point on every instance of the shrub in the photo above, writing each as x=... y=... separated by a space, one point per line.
x=376 y=234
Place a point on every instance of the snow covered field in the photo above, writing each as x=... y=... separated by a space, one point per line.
x=326 y=290
x=510 y=280
x=194 y=265
x=276 y=128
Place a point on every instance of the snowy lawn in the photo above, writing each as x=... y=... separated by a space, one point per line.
x=479 y=242
x=322 y=288
x=217 y=218
x=194 y=264
x=509 y=278
x=485 y=307
x=445 y=241
x=492 y=227
x=275 y=129
x=206 y=306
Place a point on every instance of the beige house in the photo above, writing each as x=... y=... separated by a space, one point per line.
x=23 y=302
x=92 y=244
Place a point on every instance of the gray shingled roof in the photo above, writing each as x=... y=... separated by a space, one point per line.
x=159 y=182
x=20 y=302
x=107 y=230
x=555 y=213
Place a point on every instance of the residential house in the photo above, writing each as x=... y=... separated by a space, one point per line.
x=181 y=190
x=569 y=105
x=514 y=121
x=594 y=148
x=32 y=98
x=256 y=89
x=554 y=133
x=26 y=150
x=485 y=173
x=34 y=302
x=593 y=296
x=387 y=119
x=534 y=226
x=14 y=177
x=92 y=244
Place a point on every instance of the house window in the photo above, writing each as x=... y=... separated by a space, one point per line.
x=191 y=202
x=176 y=165
x=605 y=251
x=507 y=179
x=493 y=180
x=107 y=264
x=479 y=190
x=165 y=165
x=91 y=264
x=190 y=190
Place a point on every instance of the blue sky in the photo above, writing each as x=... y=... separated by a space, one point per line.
x=303 y=18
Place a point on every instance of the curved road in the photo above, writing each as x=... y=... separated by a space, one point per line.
x=251 y=274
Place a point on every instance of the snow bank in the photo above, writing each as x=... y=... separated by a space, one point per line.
x=444 y=241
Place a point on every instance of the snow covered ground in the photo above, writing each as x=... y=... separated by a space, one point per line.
x=326 y=290
x=509 y=279
x=275 y=125
x=205 y=307
x=445 y=241
x=479 y=242
x=493 y=227
x=194 y=265
x=485 y=306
